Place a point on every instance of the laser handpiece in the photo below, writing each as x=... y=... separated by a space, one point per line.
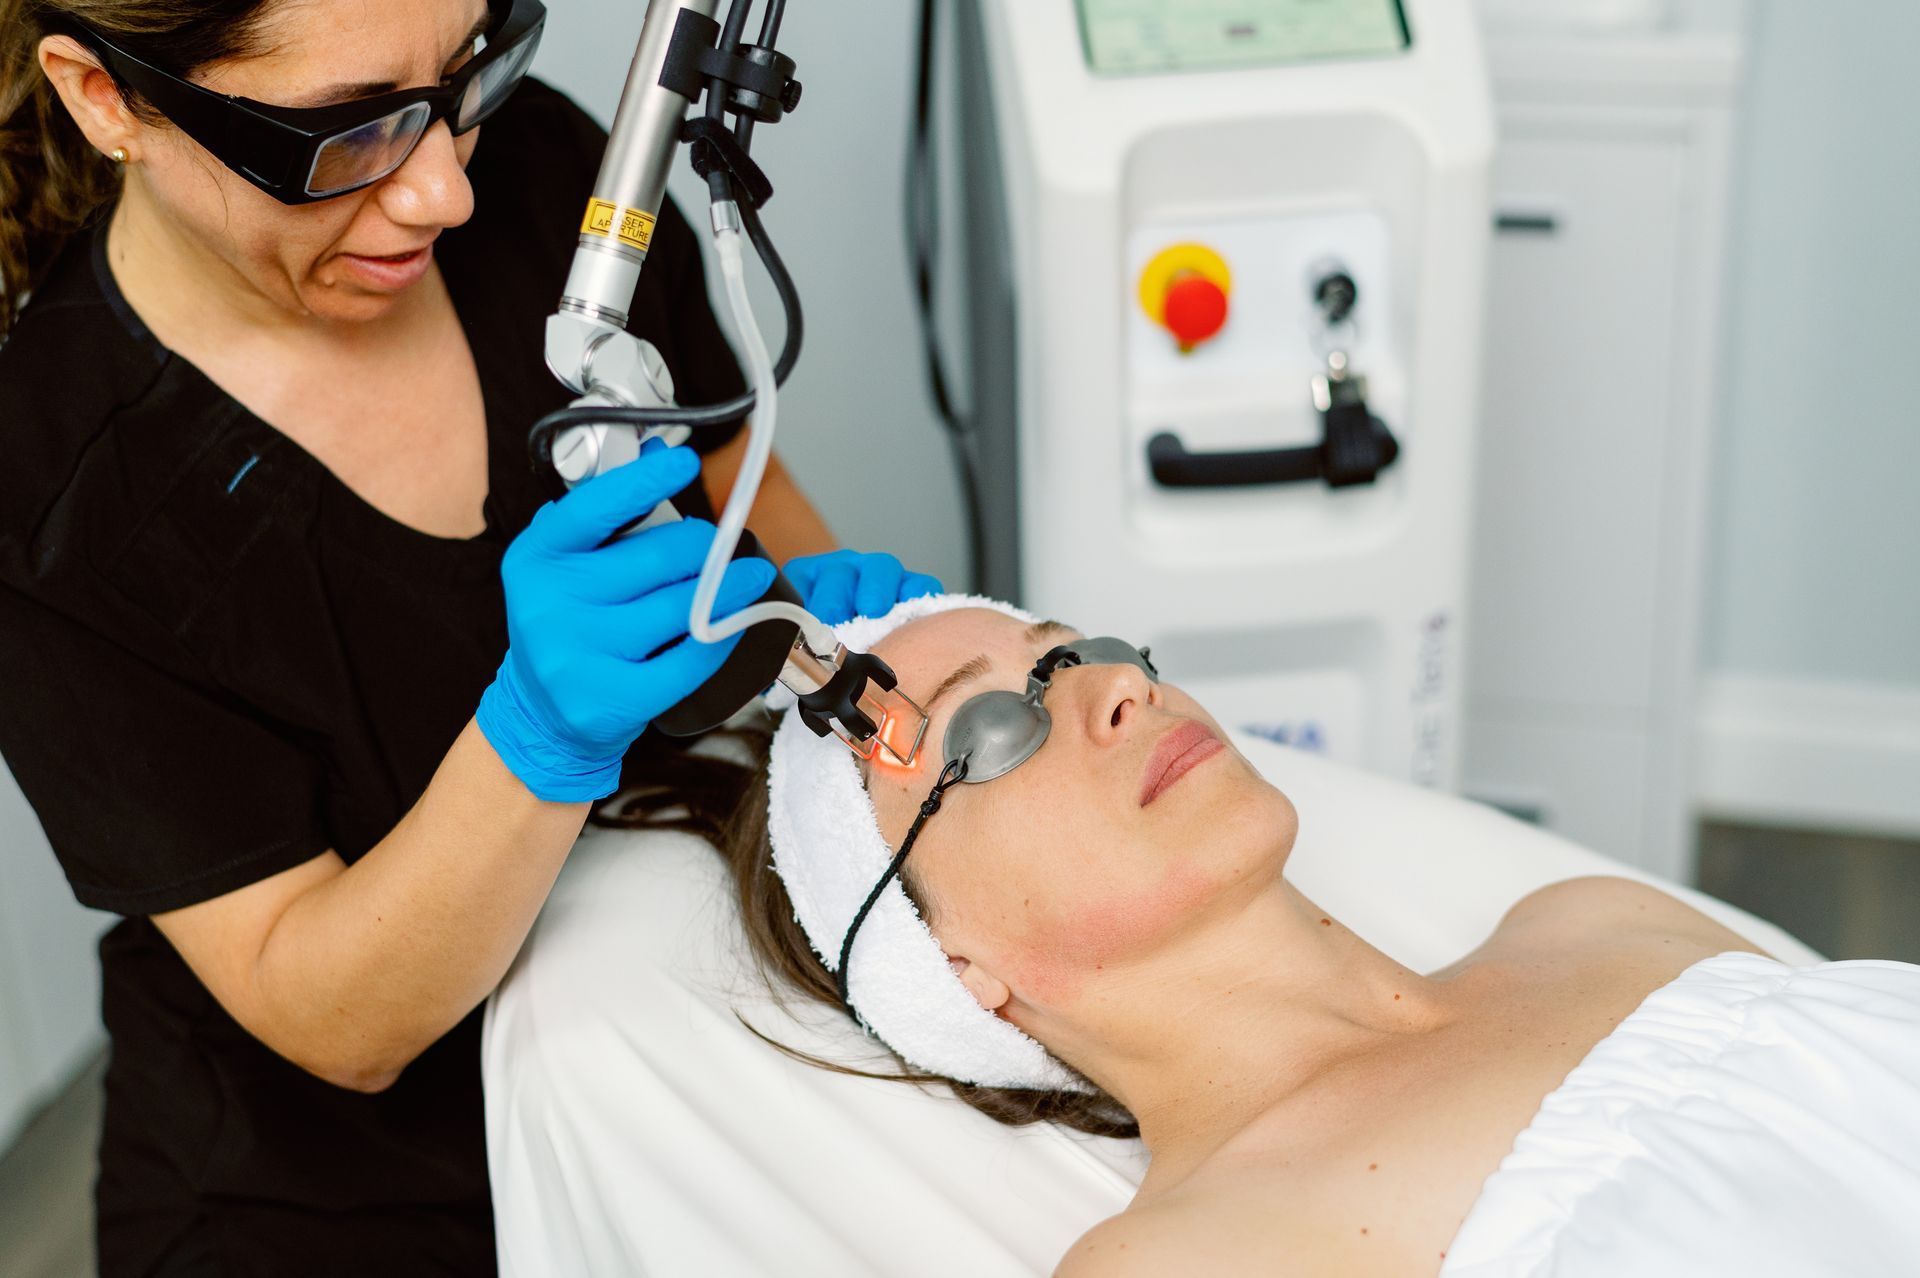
x=855 y=696
x=626 y=394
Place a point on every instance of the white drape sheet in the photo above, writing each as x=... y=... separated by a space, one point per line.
x=1747 y=1119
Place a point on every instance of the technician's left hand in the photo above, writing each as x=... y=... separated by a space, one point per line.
x=843 y=584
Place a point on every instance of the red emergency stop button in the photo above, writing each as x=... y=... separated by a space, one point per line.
x=1185 y=290
x=1196 y=309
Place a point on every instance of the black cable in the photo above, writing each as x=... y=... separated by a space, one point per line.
x=734 y=29
x=769 y=32
x=719 y=182
x=770 y=24
x=923 y=201
x=783 y=284
x=953 y=774
x=923 y=240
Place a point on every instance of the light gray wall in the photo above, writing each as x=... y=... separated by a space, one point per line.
x=855 y=427
x=1816 y=568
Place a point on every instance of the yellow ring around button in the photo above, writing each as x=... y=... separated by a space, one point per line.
x=1169 y=264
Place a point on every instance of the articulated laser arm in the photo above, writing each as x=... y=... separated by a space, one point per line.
x=625 y=393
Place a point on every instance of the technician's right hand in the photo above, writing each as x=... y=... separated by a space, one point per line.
x=579 y=683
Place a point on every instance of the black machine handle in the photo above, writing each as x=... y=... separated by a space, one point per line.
x=1175 y=467
x=1357 y=447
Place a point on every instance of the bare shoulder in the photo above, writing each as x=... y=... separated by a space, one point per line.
x=1617 y=908
x=1140 y=1240
x=1183 y=1234
x=1236 y=1221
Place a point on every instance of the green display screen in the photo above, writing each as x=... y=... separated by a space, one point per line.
x=1128 y=36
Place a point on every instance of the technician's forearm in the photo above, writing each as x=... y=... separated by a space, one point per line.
x=363 y=972
x=785 y=521
x=782 y=518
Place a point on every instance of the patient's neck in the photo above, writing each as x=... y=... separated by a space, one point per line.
x=1243 y=1013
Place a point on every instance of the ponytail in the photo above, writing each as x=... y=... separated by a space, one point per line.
x=52 y=181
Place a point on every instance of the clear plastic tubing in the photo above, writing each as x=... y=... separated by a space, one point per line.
x=730 y=246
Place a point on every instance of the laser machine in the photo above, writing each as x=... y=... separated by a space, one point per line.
x=1225 y=289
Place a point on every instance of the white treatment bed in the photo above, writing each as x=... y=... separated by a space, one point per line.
x=636 y=1127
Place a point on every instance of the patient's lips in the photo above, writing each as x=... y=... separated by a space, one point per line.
x=1179 y=752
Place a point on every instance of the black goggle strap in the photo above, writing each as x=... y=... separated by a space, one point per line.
x=953 y=774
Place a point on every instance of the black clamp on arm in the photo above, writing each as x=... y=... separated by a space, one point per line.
x=759 y=80
x=839 y=698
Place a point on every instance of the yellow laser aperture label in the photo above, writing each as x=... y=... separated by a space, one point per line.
x=631 y=226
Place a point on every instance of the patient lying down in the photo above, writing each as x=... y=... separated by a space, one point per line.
x=1119 y=900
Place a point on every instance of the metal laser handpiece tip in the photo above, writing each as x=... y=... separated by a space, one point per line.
x=848 y=694
x=900 y=729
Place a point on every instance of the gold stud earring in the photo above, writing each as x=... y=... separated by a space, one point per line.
x=119 y=155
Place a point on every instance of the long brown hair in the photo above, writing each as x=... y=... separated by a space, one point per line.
x=52 y=182
x=726 y=803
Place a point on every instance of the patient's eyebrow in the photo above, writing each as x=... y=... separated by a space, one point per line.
x=981 y=664
x=971 y=670
x=1047 y=630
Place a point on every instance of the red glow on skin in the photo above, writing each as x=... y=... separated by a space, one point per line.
x=897 y=742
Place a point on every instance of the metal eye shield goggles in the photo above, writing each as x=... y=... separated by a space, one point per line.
x=995 y=732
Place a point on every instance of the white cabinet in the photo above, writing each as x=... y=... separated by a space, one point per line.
x=49 y=971
x=1603 y=307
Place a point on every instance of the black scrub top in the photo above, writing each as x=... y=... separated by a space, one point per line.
x=220 y=662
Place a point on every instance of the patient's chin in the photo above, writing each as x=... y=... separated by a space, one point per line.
x=1250 y=832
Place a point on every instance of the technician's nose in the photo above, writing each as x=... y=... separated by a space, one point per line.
x=431 y=188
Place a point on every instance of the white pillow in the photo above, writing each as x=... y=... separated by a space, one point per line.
x=635 y=1126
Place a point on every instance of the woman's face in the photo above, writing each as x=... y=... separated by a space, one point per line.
x=1091 y=856
x=314 y=259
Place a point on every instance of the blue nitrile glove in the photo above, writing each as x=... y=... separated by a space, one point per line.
x=843 y=584
x=578 y=683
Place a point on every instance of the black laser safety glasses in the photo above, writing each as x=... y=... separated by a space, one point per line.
x=302 y=154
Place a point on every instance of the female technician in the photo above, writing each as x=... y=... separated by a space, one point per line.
x=276 y=683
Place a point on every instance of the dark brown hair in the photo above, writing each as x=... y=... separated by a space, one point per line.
x=52 y=182
x=726 y=803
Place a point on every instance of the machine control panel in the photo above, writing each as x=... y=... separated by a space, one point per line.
x=1145 y=36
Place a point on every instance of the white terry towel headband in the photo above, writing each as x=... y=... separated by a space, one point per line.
x=828 y=850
